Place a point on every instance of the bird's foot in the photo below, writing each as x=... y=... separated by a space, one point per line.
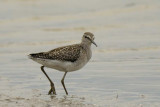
x=52 y=90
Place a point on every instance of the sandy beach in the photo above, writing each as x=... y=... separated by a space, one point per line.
x=125 y=67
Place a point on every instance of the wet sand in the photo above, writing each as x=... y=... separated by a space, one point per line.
x=123 y=71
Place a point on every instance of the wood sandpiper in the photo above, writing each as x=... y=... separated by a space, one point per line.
x=66 y=59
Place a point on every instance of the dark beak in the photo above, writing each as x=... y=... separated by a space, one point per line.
x=94 y=43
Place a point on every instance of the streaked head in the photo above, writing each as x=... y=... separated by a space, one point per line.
x=88 y=38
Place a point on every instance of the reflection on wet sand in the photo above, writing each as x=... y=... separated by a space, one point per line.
x=37 y=100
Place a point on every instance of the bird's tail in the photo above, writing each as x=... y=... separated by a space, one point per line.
x=30 y=56
x=37 y=55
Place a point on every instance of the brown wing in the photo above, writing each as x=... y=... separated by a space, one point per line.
x=67 y=53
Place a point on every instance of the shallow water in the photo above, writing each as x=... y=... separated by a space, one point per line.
x=123 y=71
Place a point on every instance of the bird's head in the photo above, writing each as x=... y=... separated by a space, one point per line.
x=88 y=38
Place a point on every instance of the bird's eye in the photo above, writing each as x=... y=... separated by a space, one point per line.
x=87 y=37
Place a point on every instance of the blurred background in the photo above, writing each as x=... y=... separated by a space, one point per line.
x=124 y=70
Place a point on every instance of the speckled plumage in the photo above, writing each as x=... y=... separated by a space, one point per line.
x=67 y=53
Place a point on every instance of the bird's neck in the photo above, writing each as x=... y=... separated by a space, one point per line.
x=87 y=48
x=86 y=44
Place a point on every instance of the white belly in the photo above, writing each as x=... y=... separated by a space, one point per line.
x=62 y=65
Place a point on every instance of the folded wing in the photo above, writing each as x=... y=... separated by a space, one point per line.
x=66 y=53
